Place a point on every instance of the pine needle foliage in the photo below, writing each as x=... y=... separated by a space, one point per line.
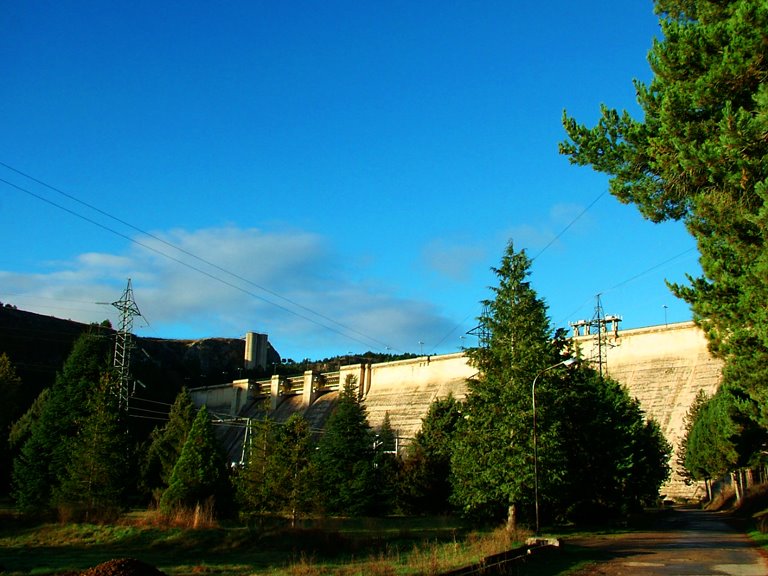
x=344 y=457
x=698 y=155
x=491 y=462
x=45 y=455
x=200 y=474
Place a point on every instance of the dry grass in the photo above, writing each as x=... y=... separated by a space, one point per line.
x=201 y=517
x=428 y=558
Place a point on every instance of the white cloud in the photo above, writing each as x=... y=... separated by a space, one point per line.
x=226 y=281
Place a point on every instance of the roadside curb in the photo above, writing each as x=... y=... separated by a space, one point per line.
x=502 y=562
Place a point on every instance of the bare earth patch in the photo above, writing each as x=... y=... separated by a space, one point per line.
x=120 y=567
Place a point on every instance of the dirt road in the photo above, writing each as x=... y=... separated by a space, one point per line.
x=686 y=542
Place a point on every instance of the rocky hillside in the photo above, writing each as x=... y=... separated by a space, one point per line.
x=38 y=345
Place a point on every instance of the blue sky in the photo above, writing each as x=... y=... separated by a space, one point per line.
x=339 y=175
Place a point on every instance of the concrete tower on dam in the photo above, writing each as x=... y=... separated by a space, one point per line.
x=664 y=367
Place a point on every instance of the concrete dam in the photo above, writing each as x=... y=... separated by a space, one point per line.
x=664 y=367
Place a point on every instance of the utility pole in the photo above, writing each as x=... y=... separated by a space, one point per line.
x=598 y=327
x=124 y=342
x=481 y=330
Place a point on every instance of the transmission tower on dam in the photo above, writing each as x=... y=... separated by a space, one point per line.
x=604 y=331
x=481 y=330
x=124 y=342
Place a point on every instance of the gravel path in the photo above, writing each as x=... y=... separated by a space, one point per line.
x=685 y=543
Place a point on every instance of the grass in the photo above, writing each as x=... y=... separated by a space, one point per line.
x=322 y=547
x=388 y=546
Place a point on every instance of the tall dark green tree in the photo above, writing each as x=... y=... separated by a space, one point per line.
x=492 y=464
x=278 y=476
x=698 y=155
x=605 y=456
x=344 y=457
x=724 y=437
x=10 y=388
x=295 y=447
x=200 y=474
x=590 y=446
x=166 y=443
x=22 y=428
x=425 y=484
x=386 y=464
x=694 y=473
x=94 y=484
x=45 y=456
x=257 y=487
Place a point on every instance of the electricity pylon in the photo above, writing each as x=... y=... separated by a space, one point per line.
x=599 y=327
x=124 y=342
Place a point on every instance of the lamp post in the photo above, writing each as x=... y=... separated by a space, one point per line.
x=566 y=362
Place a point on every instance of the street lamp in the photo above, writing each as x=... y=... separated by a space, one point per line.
x=566 y=362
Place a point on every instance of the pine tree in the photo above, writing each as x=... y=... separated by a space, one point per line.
x=586 y=428
x=44 y=458
x=600 y=433
x=278 y=477
x=387 y=464
x=683 y=461
x=293 y=456
x=257 y=487
x=200 y=474
x=166 y=443
x=22 y=429
x=698 y=155
x=491 y=463
x=10 y=388
x=725 y=436
x=95 y=482
x=344 y=457
x=425 y=486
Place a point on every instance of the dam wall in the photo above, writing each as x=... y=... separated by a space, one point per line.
x=664 y=367
x=407 y=388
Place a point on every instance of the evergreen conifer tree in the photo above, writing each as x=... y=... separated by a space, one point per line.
x=387 y=464
x=344 y=457
x=492 y=465
x=293 y=455
x=594 y=445
x=257 y=486
x=166 y=443
x=602 y=435
x=278 y=476
x=10 y=388
x=44 y=458
x=200 y=474
x=698 y=155
x=425 y=486
x=95 y=482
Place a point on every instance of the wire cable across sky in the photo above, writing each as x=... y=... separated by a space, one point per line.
x=338 y=328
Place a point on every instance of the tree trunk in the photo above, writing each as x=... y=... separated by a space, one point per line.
x=736 y=486
x=512 y=518
x=708 y=485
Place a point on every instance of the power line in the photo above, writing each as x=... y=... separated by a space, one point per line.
x=571 y=223
x=191 y=255
x=632 y=279
x=651 y=269
x=540 y=252
x=369 y=340
x=150 y=401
